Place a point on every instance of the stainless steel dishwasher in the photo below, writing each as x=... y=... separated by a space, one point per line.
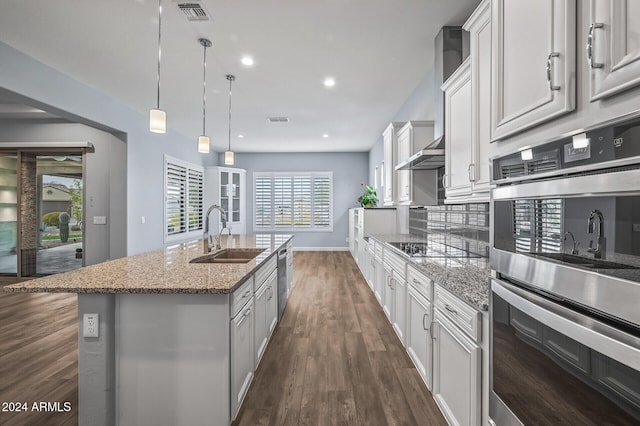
x=283 y=292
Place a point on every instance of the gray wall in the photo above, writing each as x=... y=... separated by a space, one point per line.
x=105 y=182
x=418 y=106
x=349 y=171
x=69 y=98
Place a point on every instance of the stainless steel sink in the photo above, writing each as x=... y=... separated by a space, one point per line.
x=584 y=262
x=229 y=255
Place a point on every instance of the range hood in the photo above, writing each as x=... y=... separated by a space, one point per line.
x=451 y=47
x=427 y=158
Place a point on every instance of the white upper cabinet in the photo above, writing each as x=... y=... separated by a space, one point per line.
x=390 y=160
x=534 y=63
x=479 y=27
x=612 y=45
x=412 y=185
x=458 y=152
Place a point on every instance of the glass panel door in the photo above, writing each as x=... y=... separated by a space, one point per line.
x=59 y=200
x=8 y=214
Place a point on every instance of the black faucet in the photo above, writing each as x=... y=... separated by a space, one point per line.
x=600 y=249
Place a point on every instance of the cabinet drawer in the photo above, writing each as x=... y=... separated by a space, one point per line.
x=241 y=296
x=461 y=314
x=265 y=270
x=420 y=282
x=397 y=263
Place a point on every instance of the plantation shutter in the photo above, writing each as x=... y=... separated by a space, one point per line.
x=288 y=201
x=538 y=225
x=322 y=201
x=195 y=185
x=282 y=201
x=302 y=201
x=184 y=187
x=176 y=197
x=263 y=201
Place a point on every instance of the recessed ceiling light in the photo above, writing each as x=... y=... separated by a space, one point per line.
x=329 y=82
x=240 y=135
x=247 y=60
x=325 y=135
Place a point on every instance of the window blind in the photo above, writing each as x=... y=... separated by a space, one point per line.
x=288 y=201
x=183 y=198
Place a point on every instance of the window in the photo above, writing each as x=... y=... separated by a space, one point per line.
x=293 y=201
x=183 y=199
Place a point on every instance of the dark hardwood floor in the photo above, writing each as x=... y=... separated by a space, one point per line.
x=38 y=356
x=334 y=359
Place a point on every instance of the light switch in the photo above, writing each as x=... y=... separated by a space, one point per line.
x=99 y=220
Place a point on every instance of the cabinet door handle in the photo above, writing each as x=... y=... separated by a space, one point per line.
x=444 y=181
x=550 y=69
x=247 y=312
x=406 y=190
x=472 y=176
x=433 y=336
x=450 y=309
x=590 y=38
x=246 y=294
x=424 y=325
x=415 y=281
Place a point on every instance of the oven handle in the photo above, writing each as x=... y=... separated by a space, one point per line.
x=608 y=340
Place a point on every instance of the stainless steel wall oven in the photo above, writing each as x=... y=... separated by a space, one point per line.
x=565 y=299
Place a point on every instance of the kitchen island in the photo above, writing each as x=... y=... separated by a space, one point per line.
x=177 y=341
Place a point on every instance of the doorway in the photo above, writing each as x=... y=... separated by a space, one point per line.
x=41 y=211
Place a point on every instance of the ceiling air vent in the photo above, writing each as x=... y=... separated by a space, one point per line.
x=194 y=11
x=278 y=119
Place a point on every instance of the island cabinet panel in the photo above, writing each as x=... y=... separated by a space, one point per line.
x=242 y=355
x=172 y=356
x=266 y=313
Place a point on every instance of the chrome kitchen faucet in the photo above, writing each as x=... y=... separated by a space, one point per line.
x=209 y=239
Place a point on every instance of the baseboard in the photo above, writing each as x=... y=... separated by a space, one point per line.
x=321 y=249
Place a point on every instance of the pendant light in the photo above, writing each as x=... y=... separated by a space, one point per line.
x=203 y=140
x=157 y=117
x=228 y=155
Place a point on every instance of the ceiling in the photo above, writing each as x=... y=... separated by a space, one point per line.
x=376 y=50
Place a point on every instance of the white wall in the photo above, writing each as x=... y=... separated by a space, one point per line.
x=69 y=98
x=105 y=182
x=349 y=171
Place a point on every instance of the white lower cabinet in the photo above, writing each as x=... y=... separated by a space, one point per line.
x=242 y=355
x=457 y=373
x=387 y=294
x=266 y=314
x=379 y=280
x=399 y=288
x=418 y=341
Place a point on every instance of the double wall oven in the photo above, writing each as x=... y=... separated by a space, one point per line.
x=565 y=296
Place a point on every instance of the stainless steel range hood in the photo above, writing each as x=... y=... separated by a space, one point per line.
x=426 y=159
x=451 y=47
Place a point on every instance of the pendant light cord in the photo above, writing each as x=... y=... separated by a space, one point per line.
x=204 y=90
x=159 y=47
x=230 y=78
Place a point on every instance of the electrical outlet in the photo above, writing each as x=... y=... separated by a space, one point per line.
x=90 y=325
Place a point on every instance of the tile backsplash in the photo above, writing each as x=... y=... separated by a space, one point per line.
x=463 y=226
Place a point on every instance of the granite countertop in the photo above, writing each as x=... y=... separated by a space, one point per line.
x=163 y=271
x=468 y=279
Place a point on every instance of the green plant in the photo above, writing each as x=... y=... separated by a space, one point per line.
x=369 y=198
x=64 y=226
x=51 y=219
